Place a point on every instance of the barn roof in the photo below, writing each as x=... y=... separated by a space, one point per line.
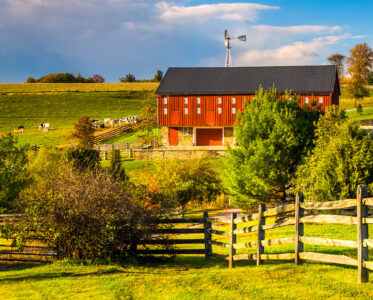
x=246 y=80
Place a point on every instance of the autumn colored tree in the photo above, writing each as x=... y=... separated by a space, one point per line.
x=360 y=65
x=148 y=119
x=83 y=131
x=337 y=60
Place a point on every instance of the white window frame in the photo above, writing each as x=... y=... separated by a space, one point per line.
x=198 y=100
x=198 y=110
x=219 y=100
x=185 y=100
x=165 y=111
x=219 y=110
x=185 y=111
x=233 y=110
x=321 y=100
x=233 y=100
x=306 y=100
x=165 y=100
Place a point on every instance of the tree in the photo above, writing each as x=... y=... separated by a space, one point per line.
x=148 y=119
x=158 y=76
x=83 y=131
x=337 y=60
x=13 y=173
x=128 y=78
x=58 y=78
x=370 y=78
x=97 y=78
x=273 y=135
x=360 y=64
x=31 y=80
x=341 y=160
x=84 y=159
x=116 y=169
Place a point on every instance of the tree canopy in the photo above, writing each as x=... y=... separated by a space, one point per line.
x=273 y=136
x=337 y=60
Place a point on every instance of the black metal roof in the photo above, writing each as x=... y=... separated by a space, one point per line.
x=246 y=80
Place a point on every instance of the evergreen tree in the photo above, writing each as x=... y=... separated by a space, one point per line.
x=83 y=131
x=273 y=135
x=116 y=168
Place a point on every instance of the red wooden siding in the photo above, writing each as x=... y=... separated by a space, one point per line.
x=173 y=137
x=209 y=137
x=209 y=109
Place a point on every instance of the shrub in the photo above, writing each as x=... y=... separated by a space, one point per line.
x=341 y=160
x=359 y=109
x=58 y=78
x=13 y=174
x=83 y=159
x=84 y=216
x=116 y=169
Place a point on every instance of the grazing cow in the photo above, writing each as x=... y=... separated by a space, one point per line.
x=41 y=126
x=107 y=120
x=21 y=129
x=47 y=126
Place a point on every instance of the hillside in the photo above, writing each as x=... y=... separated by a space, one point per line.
x=62 y=104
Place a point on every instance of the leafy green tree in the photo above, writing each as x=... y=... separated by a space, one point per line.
x=30 y=80
x=128 y=78
x=342 y=159
x=116 y=168
x=158 y=76
x=83 y=159
x=13 y=173
x=273 y=135
x=84 y=132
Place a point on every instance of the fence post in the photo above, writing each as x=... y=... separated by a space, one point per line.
x=362 y=233
x=207 y=228
x=233 y=240
x=261 y=233
x=299 y=227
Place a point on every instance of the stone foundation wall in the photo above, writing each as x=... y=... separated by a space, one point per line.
x=228 y=136
x=155 y=154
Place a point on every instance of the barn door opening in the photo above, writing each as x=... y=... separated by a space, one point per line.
x=173 y=139
x=209 y=136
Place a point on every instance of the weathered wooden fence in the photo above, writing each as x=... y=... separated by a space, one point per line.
x=297 y=215
x=115 y=132
x=33 y=251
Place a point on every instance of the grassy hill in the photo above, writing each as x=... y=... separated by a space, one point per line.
x=62 y=104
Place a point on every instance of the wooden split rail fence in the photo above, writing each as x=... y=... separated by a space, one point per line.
x=115 y=132
x=301 y=216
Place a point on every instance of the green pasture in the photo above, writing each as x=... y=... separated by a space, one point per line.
x=191 y=277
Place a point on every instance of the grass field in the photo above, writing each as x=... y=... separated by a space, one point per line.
x=193 y=278
x=62 y=104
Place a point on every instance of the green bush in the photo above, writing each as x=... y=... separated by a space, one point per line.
x=83 y=159
x=83 y=216
x=341 y=160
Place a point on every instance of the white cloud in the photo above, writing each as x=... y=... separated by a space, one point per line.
x=293 y=54
x=300 y=29
x=202 y=13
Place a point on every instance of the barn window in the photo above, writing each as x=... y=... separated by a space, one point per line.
x=198 y=100
x=185 y=100
x=219 y=110
x=165 y=111
x=233 y=110
x=233 y=100
x=306 y=100
x=185 y=131
x=185 y=111
x=164 y=100
x=320 y=100
x=198 y=110
x=219 y=100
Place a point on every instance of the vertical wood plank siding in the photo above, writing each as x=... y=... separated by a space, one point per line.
x=209 y=108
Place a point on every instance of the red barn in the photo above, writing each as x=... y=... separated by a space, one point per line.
x=198 y=106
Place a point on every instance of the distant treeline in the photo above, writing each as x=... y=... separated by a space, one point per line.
x=131 y=78
x=66 y=78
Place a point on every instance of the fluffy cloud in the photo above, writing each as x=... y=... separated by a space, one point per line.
x=293 y=54
x=202 y=13
x=301 y=29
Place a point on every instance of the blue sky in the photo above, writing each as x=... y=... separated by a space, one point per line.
x=116 y=37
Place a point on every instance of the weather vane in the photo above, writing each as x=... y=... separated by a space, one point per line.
x=228 y=60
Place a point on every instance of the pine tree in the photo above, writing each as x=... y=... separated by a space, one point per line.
x=83 y=131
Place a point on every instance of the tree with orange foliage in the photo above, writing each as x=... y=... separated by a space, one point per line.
x=360 y=65
x=83 y=131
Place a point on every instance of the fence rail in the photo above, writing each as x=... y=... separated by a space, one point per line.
x=302 y=213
